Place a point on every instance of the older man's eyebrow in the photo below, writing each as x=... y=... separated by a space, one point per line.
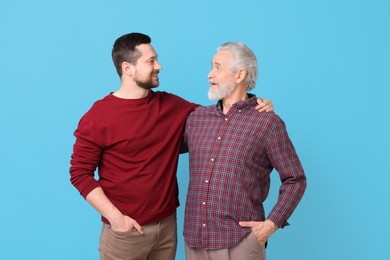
x=215 y=63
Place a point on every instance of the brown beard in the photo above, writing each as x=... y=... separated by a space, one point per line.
x=146 y=85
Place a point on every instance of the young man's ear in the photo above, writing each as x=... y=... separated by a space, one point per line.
x=127 y=69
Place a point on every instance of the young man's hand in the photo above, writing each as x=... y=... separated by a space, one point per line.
x=264 y=105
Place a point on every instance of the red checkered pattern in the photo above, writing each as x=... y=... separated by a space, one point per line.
x=231 y=158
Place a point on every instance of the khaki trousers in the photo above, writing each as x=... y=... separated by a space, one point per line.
x=158 y=242
x=248 y=249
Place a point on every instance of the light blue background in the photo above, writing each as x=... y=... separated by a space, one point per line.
x=325 y=65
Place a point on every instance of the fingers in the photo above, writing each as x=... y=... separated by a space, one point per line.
x=262 y=109
x=138 y=227
x=269 y=105
x=246 y=224
x=264 y=105
x=261 y=238
x=260 y=103
x=127 y=224
x=251 y=224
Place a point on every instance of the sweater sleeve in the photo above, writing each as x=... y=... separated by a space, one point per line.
x=86 y=155
x=187 y=108
x=184 y=142
x=284 y=159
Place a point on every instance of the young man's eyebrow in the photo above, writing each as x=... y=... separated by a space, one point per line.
x=154 y=57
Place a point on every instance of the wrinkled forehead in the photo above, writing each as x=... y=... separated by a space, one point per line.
x=222 y=58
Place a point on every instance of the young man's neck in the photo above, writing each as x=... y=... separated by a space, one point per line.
x=131 y=91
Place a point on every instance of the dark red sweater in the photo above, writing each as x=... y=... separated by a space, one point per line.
x=135 y=145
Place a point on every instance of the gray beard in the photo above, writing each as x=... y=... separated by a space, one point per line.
x=221 y=93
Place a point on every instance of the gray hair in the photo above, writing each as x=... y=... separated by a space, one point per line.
x=244 y=58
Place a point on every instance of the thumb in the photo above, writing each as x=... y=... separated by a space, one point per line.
x=246 y=223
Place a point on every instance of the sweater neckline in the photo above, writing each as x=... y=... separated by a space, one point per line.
x=143 y=100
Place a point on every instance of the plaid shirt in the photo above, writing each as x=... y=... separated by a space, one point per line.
x=231 y=158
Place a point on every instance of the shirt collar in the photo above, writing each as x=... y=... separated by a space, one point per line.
x=247 y=103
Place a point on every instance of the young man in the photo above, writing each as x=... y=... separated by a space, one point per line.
x=233 y=150
x=133 y=136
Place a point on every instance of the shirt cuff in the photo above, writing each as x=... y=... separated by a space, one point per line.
x=88 y=188
x=279 y=222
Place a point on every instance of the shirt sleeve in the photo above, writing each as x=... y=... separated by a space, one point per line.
x=284 y=159
x=87 y=151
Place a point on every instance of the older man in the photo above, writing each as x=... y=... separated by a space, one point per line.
x=233 y=150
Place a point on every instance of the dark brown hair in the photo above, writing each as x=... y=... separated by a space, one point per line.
x=125 y=49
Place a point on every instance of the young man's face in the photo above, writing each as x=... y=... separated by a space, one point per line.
x=221 y=76
x=147 y=68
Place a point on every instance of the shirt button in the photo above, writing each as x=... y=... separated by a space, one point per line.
x=207 y=181
x=226 y=119
x=204 y=203
x=239 y=110
x=219 y=138
x=204 y=225
x=212 y=159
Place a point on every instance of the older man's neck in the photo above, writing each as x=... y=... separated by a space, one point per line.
x=232 y=99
